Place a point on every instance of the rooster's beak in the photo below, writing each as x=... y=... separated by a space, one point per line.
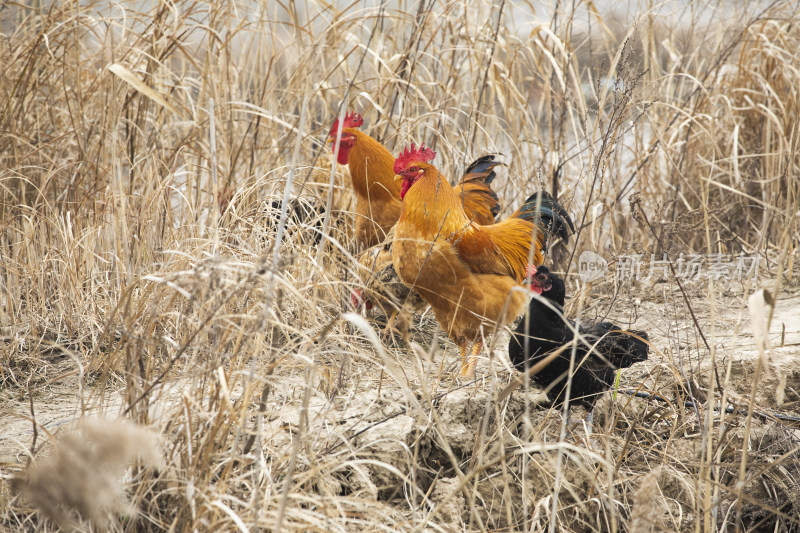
x=398 y=178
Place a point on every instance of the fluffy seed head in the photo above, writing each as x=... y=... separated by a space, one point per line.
x=413 y=155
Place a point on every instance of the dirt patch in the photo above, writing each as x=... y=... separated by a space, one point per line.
x=425 y=448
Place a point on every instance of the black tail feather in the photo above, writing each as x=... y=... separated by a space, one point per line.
x=482 y=168
x=620 y=347
x=636 y=350
x=541 y=206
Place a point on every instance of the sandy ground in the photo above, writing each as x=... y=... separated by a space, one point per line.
x=61 y=400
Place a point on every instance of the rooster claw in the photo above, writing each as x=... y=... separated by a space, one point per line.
x=399 y=323
x=468 y=364
x=468 y=370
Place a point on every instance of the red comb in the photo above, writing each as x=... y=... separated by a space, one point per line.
x=351 y=120
x=414 y=154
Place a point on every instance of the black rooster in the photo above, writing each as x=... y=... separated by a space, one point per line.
x=603 y=348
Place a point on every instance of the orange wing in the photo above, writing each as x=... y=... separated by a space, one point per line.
x=501 y=248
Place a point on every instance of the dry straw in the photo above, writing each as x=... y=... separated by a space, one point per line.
x=140 y=271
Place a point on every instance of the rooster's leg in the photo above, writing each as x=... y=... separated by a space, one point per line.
x=468 y=366
x=399 y=322
x=387 y=330
x=462 y=354
x=403 y=321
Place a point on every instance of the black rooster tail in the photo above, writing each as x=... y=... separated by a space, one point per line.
x=637 y=349
x=475 y=189
x=622 y=348
x=481 y=170
x=542 y=208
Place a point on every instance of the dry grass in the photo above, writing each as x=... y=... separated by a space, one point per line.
x=143 y=267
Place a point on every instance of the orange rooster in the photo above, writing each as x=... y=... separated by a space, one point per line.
x=378 y=202
x=383 y=288
x=466 y=271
